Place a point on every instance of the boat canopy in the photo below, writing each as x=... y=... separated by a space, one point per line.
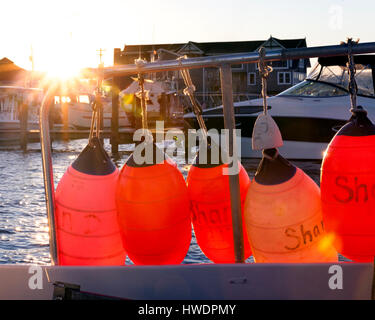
x=333 y=70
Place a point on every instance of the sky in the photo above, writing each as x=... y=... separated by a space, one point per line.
x=66 y=35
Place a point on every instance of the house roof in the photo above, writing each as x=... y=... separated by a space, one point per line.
x=212 y=48
x=10 y=71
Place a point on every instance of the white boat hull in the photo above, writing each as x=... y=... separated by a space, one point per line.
x=292 y=150
x=80 y=115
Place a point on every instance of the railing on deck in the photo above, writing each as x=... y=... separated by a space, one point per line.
x=224 y=63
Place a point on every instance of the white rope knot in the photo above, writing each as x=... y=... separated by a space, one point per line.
x=266 y=134
x=189 y=90
x=264 y=69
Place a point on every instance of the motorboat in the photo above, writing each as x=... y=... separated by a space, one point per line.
x=79 y=107
x=309 y=113
x=162 y=99
x=79 y=110
x=11 y=100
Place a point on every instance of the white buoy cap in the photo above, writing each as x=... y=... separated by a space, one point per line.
x=266 y=133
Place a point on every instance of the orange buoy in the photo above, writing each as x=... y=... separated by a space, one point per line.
x=348 y=188
x=210 y=206
x=283 y=214
x=86 y=216
x=153 y=212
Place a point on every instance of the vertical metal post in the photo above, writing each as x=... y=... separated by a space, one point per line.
x=234 y=183
x=48 y=172
x=114 y=118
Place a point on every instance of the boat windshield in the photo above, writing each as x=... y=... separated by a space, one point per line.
x=333 y=80
x=338 y=75
x=309 y=88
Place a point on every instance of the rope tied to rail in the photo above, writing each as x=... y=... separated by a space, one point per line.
x=141 y=81
x=264 y=71
x=352 y=87
x=266 y=134
x=96 y=106
x=189 y=91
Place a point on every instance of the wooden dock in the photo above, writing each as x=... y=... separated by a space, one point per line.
x=14 y=137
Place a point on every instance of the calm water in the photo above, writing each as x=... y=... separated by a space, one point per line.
x=23 y=222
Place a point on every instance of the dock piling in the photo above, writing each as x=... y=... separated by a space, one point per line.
x=24 y=110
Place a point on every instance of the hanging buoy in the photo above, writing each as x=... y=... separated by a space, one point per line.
x=348 y=188
x=283 y=214
x=153 y=211
x=210 y=207
x=86 y=216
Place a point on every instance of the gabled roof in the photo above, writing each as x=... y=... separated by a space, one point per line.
x=212 y=48
x=7 y=65
x=190 y=47
x=10 y=71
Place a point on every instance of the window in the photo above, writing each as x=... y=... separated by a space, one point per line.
x=309 y=88
x=301 y=63
x=237 y=66
x=251 y=79
x=284 y=78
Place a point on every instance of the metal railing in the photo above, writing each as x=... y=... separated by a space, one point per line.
x=224 y=63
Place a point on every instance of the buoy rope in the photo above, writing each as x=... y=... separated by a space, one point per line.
x=93 y=120
x=189 y=91
x=264 y=71
x=99 y=106
x=352 y=87
x=96 y=106
x=141 y=81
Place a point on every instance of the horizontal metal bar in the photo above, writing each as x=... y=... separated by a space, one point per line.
x=216 y=61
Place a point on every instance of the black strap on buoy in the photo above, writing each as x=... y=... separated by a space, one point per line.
x=93 y=160
x=158 y=156
x=359 y=125
x=274 y=169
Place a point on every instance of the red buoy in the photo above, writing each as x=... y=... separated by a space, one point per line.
x=348 y=188
x=153 y=212
x=86 y=216
x=210 y=206
x=283 y=215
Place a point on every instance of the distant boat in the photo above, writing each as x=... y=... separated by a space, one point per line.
x=11 y=100
x=80 y=111
x=309 y=113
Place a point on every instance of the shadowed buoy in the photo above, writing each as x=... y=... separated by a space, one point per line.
x=348 y=188
x=209 y=195
x=153 y=211
x=86 y=216
x=283 y=214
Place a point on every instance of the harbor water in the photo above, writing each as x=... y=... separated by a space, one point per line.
x=23 y=220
